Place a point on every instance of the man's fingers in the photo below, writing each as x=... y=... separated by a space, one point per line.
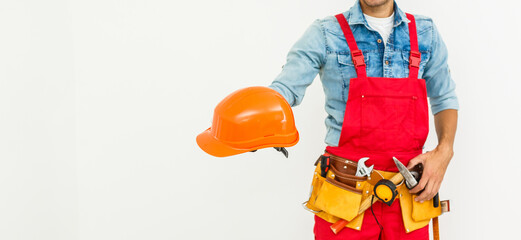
x=425 y=194
x=428 y=193
x=421 y=185
x=418 y=159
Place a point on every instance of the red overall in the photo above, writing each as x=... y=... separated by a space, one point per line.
x=384 y=117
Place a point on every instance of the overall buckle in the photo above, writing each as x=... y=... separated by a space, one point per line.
x=358 y=58
x=415 y=59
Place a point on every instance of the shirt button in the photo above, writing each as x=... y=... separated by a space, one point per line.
x=379 y=40
x=386 y=62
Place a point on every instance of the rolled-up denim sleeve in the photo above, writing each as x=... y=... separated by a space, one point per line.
x=303 y=62
x=440 y=85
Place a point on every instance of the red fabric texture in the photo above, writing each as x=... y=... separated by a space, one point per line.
x=415 y=56
x=389 y=217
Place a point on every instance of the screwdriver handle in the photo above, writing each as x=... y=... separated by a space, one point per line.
x=436 y=200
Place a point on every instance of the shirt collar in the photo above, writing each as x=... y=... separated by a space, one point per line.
x=356 y=15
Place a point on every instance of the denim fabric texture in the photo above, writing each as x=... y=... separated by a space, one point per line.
x=323 y=50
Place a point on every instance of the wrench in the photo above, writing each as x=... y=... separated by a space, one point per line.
x=362 y=169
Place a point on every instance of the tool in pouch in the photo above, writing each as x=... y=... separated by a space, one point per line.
x=412 y=179
x=362 y=170
x=384 y=189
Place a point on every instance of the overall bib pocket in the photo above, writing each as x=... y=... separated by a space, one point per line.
x=387 y=122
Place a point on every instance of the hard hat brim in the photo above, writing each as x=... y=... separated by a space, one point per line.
x=214 y=147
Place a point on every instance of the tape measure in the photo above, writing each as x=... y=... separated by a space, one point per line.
x=385 y=190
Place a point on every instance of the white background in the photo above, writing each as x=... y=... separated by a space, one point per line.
x=101 y=101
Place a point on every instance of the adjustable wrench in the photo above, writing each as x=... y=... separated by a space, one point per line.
x=362 y=169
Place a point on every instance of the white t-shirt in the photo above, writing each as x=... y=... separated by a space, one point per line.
x=381 y=25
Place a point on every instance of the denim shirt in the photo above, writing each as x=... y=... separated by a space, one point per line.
x=323 y=49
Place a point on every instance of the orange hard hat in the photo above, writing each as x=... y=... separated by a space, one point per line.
x=249 y=119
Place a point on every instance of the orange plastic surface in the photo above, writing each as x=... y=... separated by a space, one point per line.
x=249 y=119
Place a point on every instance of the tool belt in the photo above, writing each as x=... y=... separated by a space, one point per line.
x=336 y=193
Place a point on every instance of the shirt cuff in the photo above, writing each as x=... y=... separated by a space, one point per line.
x=447 y=101
x=280 y=88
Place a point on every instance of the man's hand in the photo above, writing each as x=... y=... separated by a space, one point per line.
x=435 y=164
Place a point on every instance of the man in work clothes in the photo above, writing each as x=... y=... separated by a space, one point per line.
x=374 y=65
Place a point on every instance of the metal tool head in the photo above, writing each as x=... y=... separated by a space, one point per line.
x=362 y=169
x=410 y=181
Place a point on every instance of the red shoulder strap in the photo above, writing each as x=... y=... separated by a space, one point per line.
x=415 y=56
x=358 y=57
x=356 y=54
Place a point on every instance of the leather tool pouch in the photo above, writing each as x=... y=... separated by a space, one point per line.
x=345 y=170
x=424 y=211
x=416 y=215
x=340 y=194
x=339 y=200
